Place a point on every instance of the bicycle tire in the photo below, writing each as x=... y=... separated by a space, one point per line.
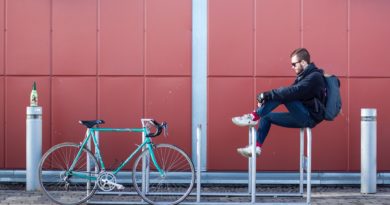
x=179 y=175
x=52 y=178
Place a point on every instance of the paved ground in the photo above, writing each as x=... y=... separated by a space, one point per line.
x=324 y=195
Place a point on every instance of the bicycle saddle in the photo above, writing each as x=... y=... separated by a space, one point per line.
x=91 y=123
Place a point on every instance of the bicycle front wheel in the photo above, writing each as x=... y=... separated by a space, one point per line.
x=66 y=186
x=170 y=187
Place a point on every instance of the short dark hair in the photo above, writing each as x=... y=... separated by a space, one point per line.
x=302 y=54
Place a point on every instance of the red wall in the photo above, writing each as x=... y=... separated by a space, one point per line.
x=249 y=46
x=121 y=60
x=116 y=60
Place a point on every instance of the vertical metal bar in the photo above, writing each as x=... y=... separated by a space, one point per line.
x=97 y=136
x=253 y=196
x=145 y=165
x=309 y=155
x=199 y=75
x=198 y=162
x=249 y=162
x=301 y=158
x=368 y=151
x=88 y=161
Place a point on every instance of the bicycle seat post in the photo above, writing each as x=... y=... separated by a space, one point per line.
x=88 y=160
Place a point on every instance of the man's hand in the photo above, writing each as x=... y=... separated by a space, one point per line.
x=263 y=97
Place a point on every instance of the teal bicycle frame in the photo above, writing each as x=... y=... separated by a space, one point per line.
x=91 y=133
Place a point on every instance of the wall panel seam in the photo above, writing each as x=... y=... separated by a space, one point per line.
x=144 y=59
x=98 y=15
x=3 y=148
x=348 y=84
x=301 y=23
x=5 y=83
x=254 y=49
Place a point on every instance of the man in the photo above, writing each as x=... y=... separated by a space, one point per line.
x=304 y=101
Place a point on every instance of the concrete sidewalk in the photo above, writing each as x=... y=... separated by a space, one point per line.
x=326 y=195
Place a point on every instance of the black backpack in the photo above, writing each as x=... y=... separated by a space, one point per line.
x=332 y=97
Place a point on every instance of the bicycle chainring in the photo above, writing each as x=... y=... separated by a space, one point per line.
x=106 y=181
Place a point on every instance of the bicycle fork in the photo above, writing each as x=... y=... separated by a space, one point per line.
x=161 y=171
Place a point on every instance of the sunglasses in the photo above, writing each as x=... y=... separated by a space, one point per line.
x=294 y=64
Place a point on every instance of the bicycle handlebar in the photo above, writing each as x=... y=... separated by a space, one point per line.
x=159 y=128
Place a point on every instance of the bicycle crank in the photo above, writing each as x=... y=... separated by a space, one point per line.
x=107 y=182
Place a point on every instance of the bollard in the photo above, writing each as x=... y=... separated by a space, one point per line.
x=368 y=151
x=33 y=146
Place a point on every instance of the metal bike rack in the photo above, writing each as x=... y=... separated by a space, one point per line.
x=145 y=179
x=304 y=165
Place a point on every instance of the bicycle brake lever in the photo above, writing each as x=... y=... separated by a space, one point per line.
x=165 y=127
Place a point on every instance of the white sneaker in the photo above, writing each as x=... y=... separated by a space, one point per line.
x=245 y=120
x=247 y=151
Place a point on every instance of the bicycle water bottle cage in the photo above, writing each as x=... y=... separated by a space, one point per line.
x=91 y=123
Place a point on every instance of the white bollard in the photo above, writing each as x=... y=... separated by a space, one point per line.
x=33 y=146
x=368 y=151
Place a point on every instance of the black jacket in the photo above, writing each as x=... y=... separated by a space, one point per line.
x=308 y=87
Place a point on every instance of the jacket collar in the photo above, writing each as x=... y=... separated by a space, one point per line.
x=309 y=69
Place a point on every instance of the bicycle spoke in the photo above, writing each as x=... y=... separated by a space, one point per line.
x=167 y=188
x=58 y=183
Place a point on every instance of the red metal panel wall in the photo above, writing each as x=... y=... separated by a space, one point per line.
x=344 y=43
x=326 y=36
x=121 y=37
x=117 y=60
x=169 y=99
x=122 y=60
x=367 y=93
x=74 y=37
x=369 y=38
x=277 y=22
x=28 y=37
x=122 y=108
x=2 y=152
x=17 y=92
x=73 y=99
x=231 y=37
x=168 y=34
x=228 y=96
x=2 y=28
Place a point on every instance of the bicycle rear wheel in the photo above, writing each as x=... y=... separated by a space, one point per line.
x=66 y=187
x=176 y=183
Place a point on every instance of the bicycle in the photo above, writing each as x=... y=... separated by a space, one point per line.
x=70 y=173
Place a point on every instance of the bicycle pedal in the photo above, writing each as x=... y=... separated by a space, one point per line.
x=120 y=187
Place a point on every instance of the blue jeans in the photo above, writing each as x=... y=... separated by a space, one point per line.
x=297 y=117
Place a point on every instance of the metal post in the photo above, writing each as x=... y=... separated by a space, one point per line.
x=308 y=170
x=301 y=158
x=253 y=180
x=145 y=169
x=89 y=161
x=198 y=162
x=368 y=151
x=33 y=146
x=249 y=162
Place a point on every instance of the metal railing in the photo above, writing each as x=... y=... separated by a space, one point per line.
x=304 y=164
